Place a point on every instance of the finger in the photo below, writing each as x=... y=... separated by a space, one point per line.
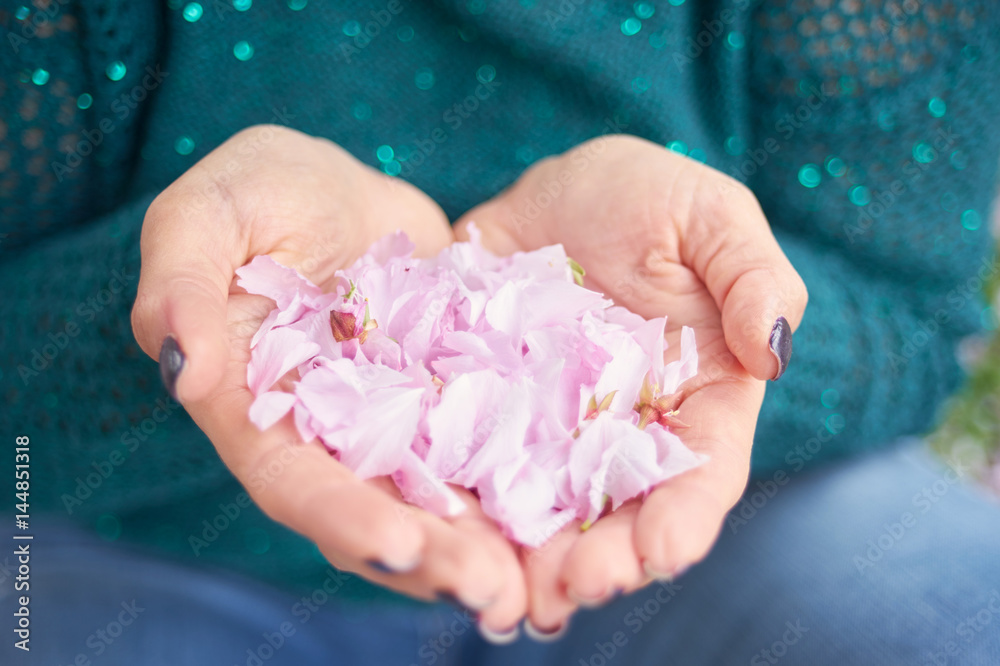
x=512 y=221
x=510 y=604
x=549 y=605
x=455 y=566
x=391 y=204
x=494 y=235
x=461 y=559
x=238 y=201
x=302 y=485
x=602 y=562
x=681 y=518
x=729 y=244
x=191 y=245
x=460 y=564
x=361 y=526
x=472 y=565
x=183 y=286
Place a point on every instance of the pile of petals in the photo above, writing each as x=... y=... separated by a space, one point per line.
x=502 y=375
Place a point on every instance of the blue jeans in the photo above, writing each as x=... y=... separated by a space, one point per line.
x=889 y=559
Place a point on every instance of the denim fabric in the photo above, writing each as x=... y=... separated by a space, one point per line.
x=888 y=559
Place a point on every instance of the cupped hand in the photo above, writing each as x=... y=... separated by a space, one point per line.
x=311 y=206
x=660 y=234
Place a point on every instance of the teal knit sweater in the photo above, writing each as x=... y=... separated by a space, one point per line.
x=868 y=135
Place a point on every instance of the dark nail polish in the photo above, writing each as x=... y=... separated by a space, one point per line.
x=171 y=364
x=781 y=344
x=380 y=566
x=451 y=599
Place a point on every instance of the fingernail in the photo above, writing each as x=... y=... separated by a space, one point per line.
x=171 y=363
x=593 y=602
x=380 y=566
x=464 y=605
x=781 y=344
x=656 y=574
x=499 y=637
x=665 y=576
x=536 y=634
x=388 y=566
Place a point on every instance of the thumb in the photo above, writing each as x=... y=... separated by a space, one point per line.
x=179 y=315
x=493 y=234
x=759 y=293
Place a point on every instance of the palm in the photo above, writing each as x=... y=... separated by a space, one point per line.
x=643 y=225
x=310 y=206
x=640 y=222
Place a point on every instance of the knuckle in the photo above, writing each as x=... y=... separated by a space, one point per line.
x=464 y=563
x=729 y=194
x=143 y=313
x=802 y=292
x=626 y=145
x=586 y=564
x=157 y=214
x=263 y=131
x=381 y=528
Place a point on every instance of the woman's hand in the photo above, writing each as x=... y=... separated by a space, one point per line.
x=661 y=235
x=311 y=206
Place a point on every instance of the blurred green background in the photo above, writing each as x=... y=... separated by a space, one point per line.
x=969 y=429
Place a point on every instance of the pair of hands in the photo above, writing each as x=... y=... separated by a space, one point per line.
x=658 y=233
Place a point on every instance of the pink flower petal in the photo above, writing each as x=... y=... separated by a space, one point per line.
x=463 y=420
x=504 y=443
x=672 y=456
x=611 y=458
x=421 y=487
x=277 y=353
x=624 y=374
x=390 y=246
x=270 y=407
x=683 y=369
x=266 y=277
x=520 y=496
x=469 y=368
x=649 y=336
x=381 y=434
x=507 y=311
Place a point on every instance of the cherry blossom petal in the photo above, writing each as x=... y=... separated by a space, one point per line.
x=504 y=443
x=623 y=375
x=463 y=420
x=381 y=433
x=270 y=407
x=278 y=352
x=683 y=369
x=500 y=374
x=421 y=487
x=266 y=277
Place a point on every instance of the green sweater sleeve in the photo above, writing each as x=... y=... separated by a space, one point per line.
x=102 y=441
x=109 y=447
x=873 y=360
x=876 y=165
x=112 y=101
